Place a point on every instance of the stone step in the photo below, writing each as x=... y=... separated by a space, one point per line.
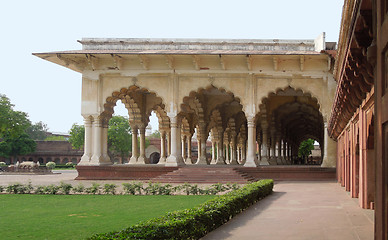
x=204 y=175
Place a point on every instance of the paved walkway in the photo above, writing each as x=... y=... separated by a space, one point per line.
x=301 y=210
x=296 y=210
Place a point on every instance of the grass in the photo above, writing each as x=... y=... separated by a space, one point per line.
x=80 y=216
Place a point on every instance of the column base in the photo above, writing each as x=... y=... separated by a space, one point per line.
x=272 y=161
x=174 y=161
x=162 y=160
x=85 y=160
x=264 y=161
x=188 y=161
x=98 y=161
x=132 y=160
x=201 y=161
x=141 y=160
x=220 y=161
x=279 y=161
x=329 y=162
x=251 y=162
x=234 y=162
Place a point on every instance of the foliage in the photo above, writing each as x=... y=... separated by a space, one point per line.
x=80 y=188
x=18 y=188
x=77 y=136
x=37 y=131
x=155 y=134
x=55 y=138
x=69 y=164
x=3 y=164
x=14 y=145
x=65 y=188
x=196 y=222
x=51 y=189
x=94 y=189
x=13 y=127
x=72 y=217
x=12 y=123
x=119 y=136
x=110 y=188
x=50 y=165
x=1 y=188
x=305 y=148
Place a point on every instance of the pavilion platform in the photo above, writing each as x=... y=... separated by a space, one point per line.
x=205 y=173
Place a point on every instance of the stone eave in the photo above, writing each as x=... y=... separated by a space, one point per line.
x=76 y=59
x=352 y=71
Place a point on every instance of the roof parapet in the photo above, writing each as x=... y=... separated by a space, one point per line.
x=203 y=44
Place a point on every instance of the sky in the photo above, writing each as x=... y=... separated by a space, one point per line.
x=52 y=94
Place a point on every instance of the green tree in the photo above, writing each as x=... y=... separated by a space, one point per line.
x=12 y=123
x=77 y=136
x=155 y=134
x=119 y=136
x=37 y=131
x=305 y=148
x=14 y=140
x=12 y=146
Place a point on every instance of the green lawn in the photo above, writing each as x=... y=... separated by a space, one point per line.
x=80 y=216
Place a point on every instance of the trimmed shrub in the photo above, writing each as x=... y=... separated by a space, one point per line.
x=196 y=222
x=3 y=164
x=65 y=188
x=110 y=188
x=50 y=165
x=129 y=188
x=1 y=188
x=79 y=189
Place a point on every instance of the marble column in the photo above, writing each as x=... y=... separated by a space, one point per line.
x=162 y=159
x=251 y=158
x=85 y=159
x=264 y=157
x=227 y=152
x=279 y=148
x=273 y=148
x=213 y=152
x=233 y=156
x=174 y=159
x=329 y=150
x=188 y=159
x=220 y=149
x=243 y=153
x=105 y=157
x=97 y=142
x=202 y=136
x=133 y=159
x=142 y=158
x=184 y=154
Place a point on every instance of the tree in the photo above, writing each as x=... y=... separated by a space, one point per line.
x=12 y=123
x=12 y=146
x=14 y=140
x=119 y=136
x=305 y=148
x=38 y=131
x=77 y=136
x=155 y=134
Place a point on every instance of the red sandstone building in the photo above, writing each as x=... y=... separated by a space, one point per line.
x=359 y=120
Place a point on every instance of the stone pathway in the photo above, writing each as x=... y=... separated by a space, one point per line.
x=301 y=210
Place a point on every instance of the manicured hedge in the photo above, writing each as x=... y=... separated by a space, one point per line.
x=196 y=222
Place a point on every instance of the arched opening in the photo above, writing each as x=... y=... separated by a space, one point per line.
x=287 y=117
x=145 y=113
x=214 y=117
